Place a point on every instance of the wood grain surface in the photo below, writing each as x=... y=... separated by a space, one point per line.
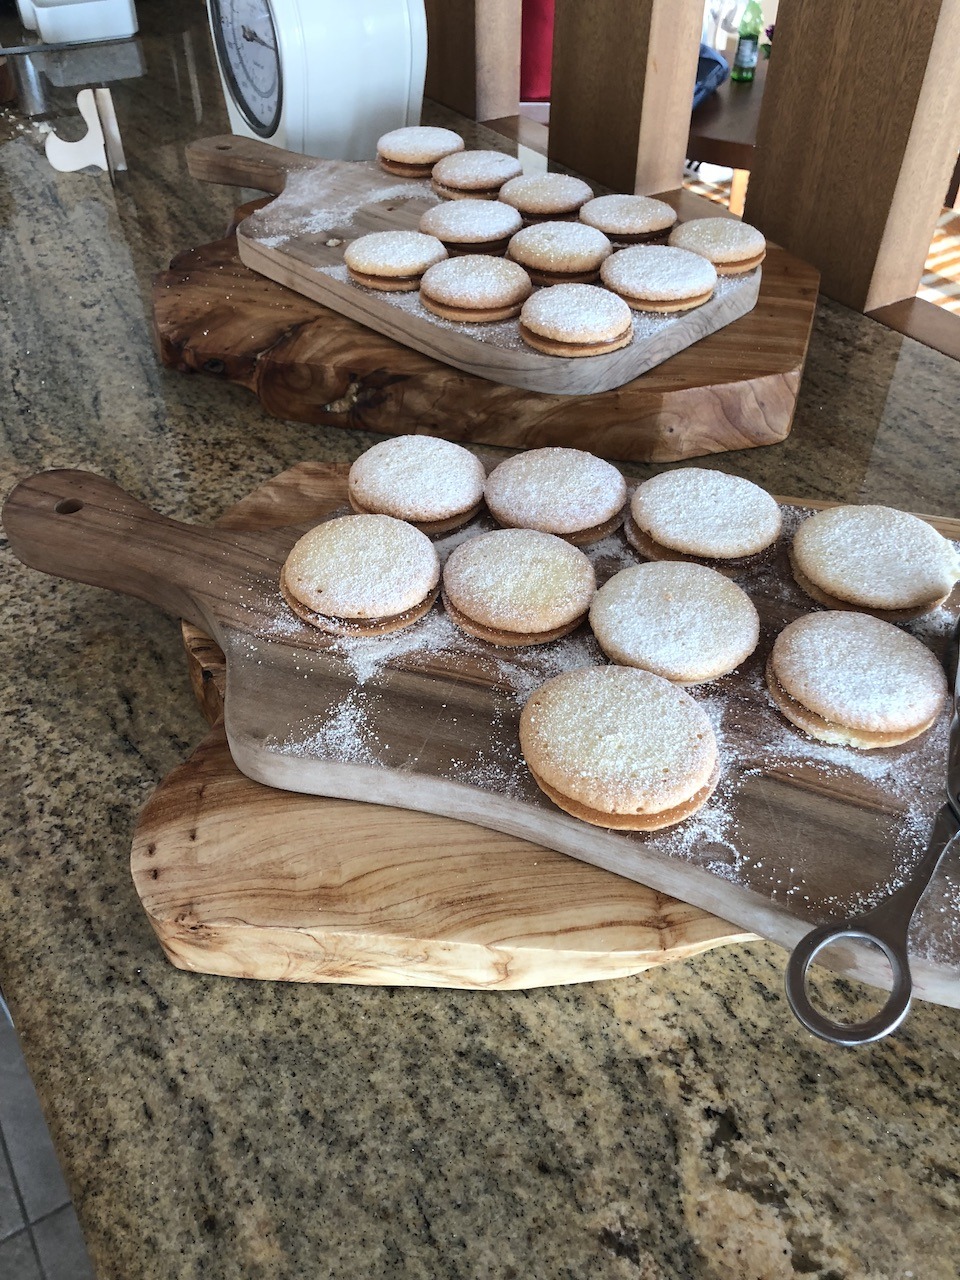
x=734 y=389
x=473 y=56
x=219 y=863
x=851 y=163
x=622 y=83
x=804 y=836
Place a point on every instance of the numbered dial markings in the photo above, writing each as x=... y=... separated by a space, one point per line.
x=248 y=49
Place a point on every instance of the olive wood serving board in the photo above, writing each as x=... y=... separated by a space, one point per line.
x=241 y=879
x=809 y=840
x=298 y=240
x=734 y=389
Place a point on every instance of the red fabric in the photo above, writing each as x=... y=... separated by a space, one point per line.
x=536 y=50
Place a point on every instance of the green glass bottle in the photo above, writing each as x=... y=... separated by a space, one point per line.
x=748 y=45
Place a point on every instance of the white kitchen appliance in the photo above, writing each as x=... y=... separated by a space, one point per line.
x=60 y=21
x=322 y=77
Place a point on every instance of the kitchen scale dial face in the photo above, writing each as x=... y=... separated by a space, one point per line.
x=249 y=54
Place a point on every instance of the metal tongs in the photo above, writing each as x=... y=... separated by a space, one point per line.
x=888 y=925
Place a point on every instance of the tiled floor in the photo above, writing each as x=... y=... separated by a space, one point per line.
x=39 y=1234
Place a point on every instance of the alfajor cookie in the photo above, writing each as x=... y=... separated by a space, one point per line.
x=563 y=491
x=361 y=576
x=618 y=747
x=684 y=622
x=574 y=320
x=517 y=587
x=472 y=226
x=732 y=246
x=478 y=175
x=629 y=219
x=475 y=289
x=706 y=517
x=412 y=152
x=654 y=277
x=560 y=252
x=542 y=196
x=392 y=261
x=852 y=680
x=434 y=484
x=875 y=559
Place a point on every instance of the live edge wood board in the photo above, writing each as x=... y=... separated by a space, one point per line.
x=798 y=832
x=733 y=389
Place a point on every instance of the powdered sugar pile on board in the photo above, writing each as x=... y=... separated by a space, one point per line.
x=305 y=210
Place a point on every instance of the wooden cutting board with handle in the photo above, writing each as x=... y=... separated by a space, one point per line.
x=241 y=879
x=298 y=240
x=795 y=835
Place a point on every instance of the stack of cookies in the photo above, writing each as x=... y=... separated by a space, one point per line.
x=625 y=745
x=554 y=234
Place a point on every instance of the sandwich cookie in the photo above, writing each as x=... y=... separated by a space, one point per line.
x=684 y=622
x=392 y=261
x=576 y=320
x=412 y=152
x=619 y=747
x=475 y=289
x=541 y=196
x=434 y=484
x=478 y=175
x=361 y=576
x=732 y=246
x=875 y=559
x=854 y=681
x=564 y=491
x=654 y=277
x=472 y=226
x=629 y=219
x=705 y=517
x=517 y=587
x=560 y=252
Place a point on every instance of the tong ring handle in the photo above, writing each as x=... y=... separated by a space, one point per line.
x=848 y=1033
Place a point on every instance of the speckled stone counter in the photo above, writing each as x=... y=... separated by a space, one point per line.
x=678 y=1124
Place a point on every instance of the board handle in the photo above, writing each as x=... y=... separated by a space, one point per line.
x=76 y=525
x=243 y=162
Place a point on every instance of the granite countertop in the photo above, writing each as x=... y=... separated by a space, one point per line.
x=676 y=1124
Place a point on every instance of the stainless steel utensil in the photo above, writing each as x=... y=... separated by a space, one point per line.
x=888 y=925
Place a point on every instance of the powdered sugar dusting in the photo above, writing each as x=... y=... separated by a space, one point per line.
x=876 y=556
x=476 y=170
x=519 y=580
x=779 y=823
x=305 y=210
x=657 y=272
x=627 y=215
x=560 y=246
x=546 y=192
x=417 y=478
x=702 y=512
x=347 y=734
x=682 y=621
x=618 y=740
x=719 y=239
x=858 y=672
x=467 y=220
x=555 y=490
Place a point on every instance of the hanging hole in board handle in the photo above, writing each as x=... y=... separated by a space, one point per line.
x=68 y=506
x=223 y=146
x=848 y=1033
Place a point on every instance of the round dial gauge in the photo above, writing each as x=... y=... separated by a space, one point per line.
x=249 y=55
